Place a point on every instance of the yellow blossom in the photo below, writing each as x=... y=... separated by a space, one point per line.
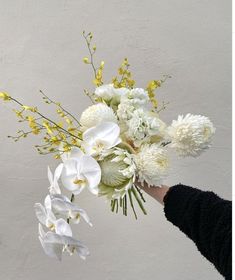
x=5 y=96
x=28 y=108
x=48 y=127
x=86 y=60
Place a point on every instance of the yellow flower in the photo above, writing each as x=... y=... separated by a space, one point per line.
x=48 y=127
x=152 y=85
x=86 y=60
x=28 y=108
x=5 y=96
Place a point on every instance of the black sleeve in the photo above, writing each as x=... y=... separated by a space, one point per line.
x=206 y=219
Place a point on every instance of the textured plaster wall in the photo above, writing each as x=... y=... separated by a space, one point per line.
x=41 y=48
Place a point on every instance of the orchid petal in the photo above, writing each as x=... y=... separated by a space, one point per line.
x=41 y=213
x=85 y=216
x=92 y=172
x=63 y=228
x=47 y=202
x=106 y=133
x=50 y=176
x=58 y=172
x=52 y=250
x=74 y=153
x=102 y=131
x=41 y=231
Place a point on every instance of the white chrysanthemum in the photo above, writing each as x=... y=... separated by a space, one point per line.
x=152 y=164
x=96 y=114
x=191 y=135
x=118 y=173
x=109 y=92
x=142 y=126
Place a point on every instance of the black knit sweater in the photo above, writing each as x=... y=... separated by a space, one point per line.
x=206 y=219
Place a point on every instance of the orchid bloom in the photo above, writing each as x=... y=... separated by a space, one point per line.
x=54 y=186
x=64 y=206
x=47 y=218
x=80 y=171
x=101 y=137
x=54 y=244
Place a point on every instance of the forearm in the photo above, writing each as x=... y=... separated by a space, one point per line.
x=206 y=219
x=203 y=217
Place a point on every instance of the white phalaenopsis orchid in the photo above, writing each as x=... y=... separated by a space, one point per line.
x=101 y=137
x=54 y=244
x=54 y=186
x=48 y=219
x=80 y=171
x=65 y=207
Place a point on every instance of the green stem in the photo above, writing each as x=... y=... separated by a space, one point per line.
x=140 y=193
x=138 y=200
x=113 y=203
x=117 y=205
x=125 y=205
x=131 y=202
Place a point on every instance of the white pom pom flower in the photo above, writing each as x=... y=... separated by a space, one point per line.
x=191 y=135
x=97 y=114
x=152 y=164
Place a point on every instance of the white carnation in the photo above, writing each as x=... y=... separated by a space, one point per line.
x=125 y=110
x=152 y=164
x=110 y=93
x=191 y=135
x=96 y=114
x=130 y=101
x=142 y=126
x=136 y=97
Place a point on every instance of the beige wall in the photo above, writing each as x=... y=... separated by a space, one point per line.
x=41 y=48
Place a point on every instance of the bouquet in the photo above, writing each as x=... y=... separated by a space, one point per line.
x=117 y=141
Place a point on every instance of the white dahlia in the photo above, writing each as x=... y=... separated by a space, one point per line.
x=152 y=164
x=96 y=114
x=191 y=135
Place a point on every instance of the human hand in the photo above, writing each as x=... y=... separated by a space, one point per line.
x=157 y=192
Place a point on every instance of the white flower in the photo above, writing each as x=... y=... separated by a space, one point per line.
x=142 y=126
x=96 y=114
x=125 y=111
x=80 y=171
x=130 y=101
x=110 y=93
x=138 y=96
x=47 y=218
x=54 y=244
x=101 y=137
x=54 y=186
x=152 y=164
x=191 y=135
x=118 y=173
x=63 y=206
